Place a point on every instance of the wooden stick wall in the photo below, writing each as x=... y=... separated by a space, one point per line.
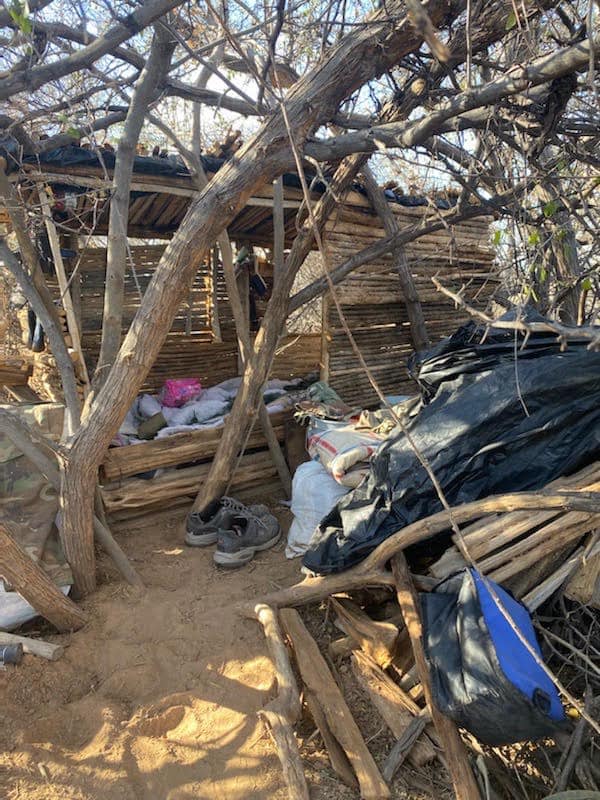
x=372 y=303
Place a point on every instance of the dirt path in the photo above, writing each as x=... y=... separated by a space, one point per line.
x=156 y=698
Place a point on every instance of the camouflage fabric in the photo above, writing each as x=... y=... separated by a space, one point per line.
x=28 y=502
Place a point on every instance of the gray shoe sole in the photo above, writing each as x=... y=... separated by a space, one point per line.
x=241 y=557
x=201 y=539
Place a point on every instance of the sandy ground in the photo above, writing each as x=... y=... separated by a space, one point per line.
x=156 y=698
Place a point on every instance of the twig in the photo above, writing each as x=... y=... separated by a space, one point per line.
x=575 y=748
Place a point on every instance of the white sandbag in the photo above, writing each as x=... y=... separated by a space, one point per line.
x=179 y=416
x=132 y=421
x=314 y=494
x=211 y=423
x=148 y=406
x=15 y=611
x=207 y=409
x=231 y=385
x=216 y=393
x=344 y=451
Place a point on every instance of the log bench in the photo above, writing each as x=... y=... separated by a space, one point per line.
x=126 y=496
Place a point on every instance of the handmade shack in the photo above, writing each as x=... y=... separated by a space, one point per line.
x=73 y=187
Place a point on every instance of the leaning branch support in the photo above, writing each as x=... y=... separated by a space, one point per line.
x=372 y=571
x=31 y=582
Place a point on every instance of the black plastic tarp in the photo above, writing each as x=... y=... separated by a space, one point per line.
x=74 y=156
x=497 y=418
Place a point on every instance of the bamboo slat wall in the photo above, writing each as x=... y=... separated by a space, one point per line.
x=372 y=304
x=189 y=349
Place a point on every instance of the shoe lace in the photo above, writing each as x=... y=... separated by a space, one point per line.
x=233 y=505
x=239 y=508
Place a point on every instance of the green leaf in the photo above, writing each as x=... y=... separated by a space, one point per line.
x=586 y=284
x=74 y=132
x=511 y=21
x=550 y=208
x=542 y=274
x=19 y=13
x=497 y=238
x=534 y=239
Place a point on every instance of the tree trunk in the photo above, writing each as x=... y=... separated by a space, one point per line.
x=362 y=55
x=156 y=68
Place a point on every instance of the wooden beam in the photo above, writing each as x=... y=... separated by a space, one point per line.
x=338 y=758
x=378 y=639
x=148 y=187
x=31 y=582
x=395 y=706
x=319 y=681
x=215 y=323
x=457 y=759
x=35 y=647
x=181 y=448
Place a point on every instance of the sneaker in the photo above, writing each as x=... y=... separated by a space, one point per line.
x=248 y=535
x=204 y=527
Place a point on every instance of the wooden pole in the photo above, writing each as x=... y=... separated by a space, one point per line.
x=35 y=647
x=63 y=284
x=278 y=228
x=396 y=707
x=319 y=681
x=214 y=315
x=31 y=582
x=51 y=326
x=465 y=785
x=284 y=711
x=144 y=92
x=239 y=311
x=418 y=327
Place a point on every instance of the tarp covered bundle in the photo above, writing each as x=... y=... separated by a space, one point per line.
x=500 y=414
x=485 y=662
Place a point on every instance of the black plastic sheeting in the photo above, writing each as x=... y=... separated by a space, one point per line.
x=496 y=419
x=72 y=156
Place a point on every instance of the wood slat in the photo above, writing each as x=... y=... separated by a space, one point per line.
x=121 y=462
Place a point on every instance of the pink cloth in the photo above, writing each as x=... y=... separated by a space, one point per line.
x=178 y=391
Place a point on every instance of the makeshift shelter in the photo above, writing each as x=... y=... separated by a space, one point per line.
x=73 y=185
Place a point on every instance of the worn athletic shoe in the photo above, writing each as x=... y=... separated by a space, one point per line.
x=204 y=527
x=248 y=535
